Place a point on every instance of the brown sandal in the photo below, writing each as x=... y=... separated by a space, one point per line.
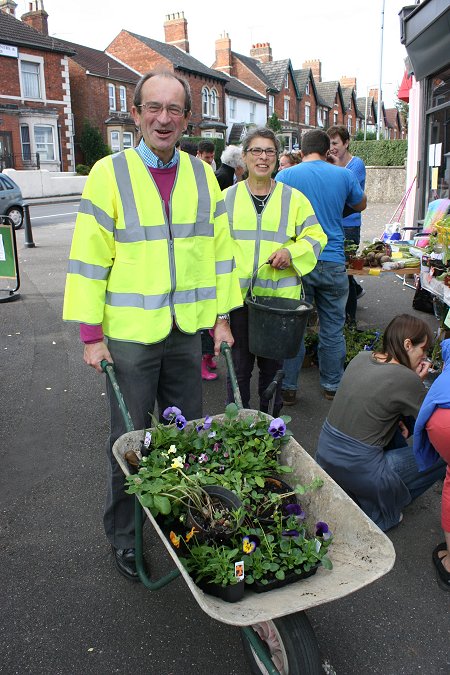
x=443 y=577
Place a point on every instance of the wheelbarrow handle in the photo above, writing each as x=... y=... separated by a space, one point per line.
x=108 y=368
x=226 y=351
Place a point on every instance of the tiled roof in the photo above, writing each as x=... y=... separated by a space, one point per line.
x=347 y=93
x=237 y=132
x=99 y=63
x=301 y=79
x=255 y=67
x=361 y=103
x=237 y=88
x=327 y=92
x=15 y=32
x=178 y=58
x=276 y=71
x=392 y=118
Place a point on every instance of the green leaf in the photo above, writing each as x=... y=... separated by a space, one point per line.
x=259 y=481
x=231 y=411
x=280 y=575
x=326 y=562
x=147 y=500
x=162 y=504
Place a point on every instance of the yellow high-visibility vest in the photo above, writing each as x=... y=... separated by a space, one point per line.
x=135 y=271
x=287 y=221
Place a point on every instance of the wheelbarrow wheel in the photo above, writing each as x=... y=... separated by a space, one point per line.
x=291 y=644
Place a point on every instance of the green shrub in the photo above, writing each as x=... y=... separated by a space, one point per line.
x=380 y=153
x=82 y=169
x=92 y=144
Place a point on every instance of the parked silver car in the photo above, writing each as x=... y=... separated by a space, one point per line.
x=11 y=200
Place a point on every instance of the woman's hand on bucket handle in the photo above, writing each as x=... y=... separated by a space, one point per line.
x=281 y=259
x=222 y=333
x=95 y=353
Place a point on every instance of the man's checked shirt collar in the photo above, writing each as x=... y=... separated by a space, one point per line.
x=153 y=160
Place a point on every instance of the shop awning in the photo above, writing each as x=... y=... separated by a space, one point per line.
x=403 y=91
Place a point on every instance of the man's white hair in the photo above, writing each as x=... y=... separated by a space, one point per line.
x=232 y=156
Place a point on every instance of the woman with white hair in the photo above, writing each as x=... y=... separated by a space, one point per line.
x=232 y=168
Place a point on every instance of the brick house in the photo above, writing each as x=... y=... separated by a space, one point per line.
x=367 y=106
x=273 y=79
x=393 y=124
x=308 y=97
x=35 y=104
x=102 y=92
x=207 y=85
x=331 y=106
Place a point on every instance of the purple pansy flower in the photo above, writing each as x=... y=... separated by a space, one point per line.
x=180 y=421
x=192 y=458
x=203 y=458
x=226 y=455
x=216 y=447
x=291 y=533
x=221 y=469
x=294 y=510
x=322 y=530
x=249 y=543
x=277 y=428
x=206 y=424
x=171 y=412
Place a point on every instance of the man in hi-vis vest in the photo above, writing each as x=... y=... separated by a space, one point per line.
x=151 y=264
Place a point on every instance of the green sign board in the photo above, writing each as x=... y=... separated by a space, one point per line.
x=8 y=254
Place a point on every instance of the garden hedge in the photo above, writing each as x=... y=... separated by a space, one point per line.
x=380 y=153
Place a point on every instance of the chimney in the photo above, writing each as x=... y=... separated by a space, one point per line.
x=346 y=81
x=374 y=94
x=175 y=31
x=262 y=51
x=223 y=54
x=8 y=6
x=316 y=68
x=36 y=17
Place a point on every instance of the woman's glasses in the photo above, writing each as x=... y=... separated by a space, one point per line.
x=257 y=152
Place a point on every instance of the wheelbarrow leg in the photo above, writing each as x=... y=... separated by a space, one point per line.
x=226 y=351
x=260 y=649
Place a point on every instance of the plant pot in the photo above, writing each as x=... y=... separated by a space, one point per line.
x=290 y=578
x=230 y=593
x=278 y=486
x=220 y=496
x=357 y=263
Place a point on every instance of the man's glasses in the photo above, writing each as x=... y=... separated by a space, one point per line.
x=257 y=152
x=156 y=108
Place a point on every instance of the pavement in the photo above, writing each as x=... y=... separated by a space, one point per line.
x=65 y=609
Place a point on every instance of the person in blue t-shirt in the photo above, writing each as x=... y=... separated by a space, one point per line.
x=339 y=142
x=329 y=188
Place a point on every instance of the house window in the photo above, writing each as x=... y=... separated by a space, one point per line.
x=205 y=102
x=319 y=117
x=349 y=125
x=127 y=140
x=357 y=125
x=307 y=88
x=213 y=103
x=286 y=81
x=31 y=79
x=112 y=96
x=26 y=142
x=307 y=113
x=44 y=142
x=115 y=141
x=252 y=113
x=335 y=118
x=233 y=103
x=123 y=98
x=286 y=108
x=271 y=105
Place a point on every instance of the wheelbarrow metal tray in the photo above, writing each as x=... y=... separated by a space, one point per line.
x=360 y=552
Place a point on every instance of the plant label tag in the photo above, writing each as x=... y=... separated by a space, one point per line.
x=147 y=439
x=318 y=545
x=239 y=570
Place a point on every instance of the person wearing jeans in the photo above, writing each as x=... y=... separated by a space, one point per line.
x=329 y=188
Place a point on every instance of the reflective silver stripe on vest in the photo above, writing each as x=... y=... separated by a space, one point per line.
x=263 y=235
x=285 y=282
x=151 y=233
x=194 y=295
x=315 y=244
x=89 y=271
x=123 y=179
x=309 y=222
x=225 y=266
x=230 y=198
x=87 y=207
x=159 y=301
x=203 y=224
x=286 y=197
x=220 y=209
x=198 y=229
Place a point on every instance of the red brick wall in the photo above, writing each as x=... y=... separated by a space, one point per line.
x=54 y=91
x=241 y=71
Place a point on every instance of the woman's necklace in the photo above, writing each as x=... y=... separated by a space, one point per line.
x=261 y=200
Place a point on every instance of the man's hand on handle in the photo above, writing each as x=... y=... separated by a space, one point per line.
x=222 y=333
x=95 y=353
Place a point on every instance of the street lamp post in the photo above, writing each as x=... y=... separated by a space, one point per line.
x=380 y=93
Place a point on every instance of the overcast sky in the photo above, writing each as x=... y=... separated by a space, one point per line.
x=344 y=34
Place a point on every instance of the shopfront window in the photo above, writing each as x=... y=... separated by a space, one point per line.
x=440 y=88
x=437 y=155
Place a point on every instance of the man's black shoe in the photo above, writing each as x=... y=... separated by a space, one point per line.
x=125 y=559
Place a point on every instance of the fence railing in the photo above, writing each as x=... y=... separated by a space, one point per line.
x=15 y=160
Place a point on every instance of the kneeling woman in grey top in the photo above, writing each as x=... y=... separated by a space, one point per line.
x=362 y=444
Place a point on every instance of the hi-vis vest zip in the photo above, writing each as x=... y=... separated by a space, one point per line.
x=134 y=270
x=287 y=221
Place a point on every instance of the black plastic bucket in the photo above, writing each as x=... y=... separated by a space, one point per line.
x=276 y=326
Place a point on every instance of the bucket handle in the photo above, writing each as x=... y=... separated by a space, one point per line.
x=255 y=274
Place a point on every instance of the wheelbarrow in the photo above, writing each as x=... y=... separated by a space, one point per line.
x=276 y=633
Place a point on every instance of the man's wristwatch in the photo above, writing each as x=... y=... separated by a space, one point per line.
x=225 y=317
